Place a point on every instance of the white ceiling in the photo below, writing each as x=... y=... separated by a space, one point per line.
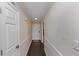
x=35 y=9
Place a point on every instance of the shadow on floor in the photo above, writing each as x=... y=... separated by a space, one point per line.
x=36 y=49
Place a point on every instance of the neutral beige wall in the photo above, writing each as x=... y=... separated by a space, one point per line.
x=25 y=32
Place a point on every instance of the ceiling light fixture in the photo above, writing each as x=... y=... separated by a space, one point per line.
x=26 y=19
x=36 y=18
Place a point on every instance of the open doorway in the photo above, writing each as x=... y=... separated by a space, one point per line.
x=36 y=31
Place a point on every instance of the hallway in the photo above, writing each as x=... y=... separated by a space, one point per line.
x=36 y=49
x=39 y=29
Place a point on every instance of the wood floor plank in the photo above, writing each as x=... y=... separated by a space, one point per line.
x=36 y=49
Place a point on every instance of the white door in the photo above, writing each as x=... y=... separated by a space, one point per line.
x=11 y=37
x=11 y=31
x=36 y=31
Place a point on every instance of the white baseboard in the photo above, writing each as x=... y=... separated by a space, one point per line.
x=51 y=50
x=28 y=47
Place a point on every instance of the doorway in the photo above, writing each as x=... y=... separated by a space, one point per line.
x=36 y=31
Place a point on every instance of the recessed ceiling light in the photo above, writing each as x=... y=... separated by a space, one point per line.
x=36 y=18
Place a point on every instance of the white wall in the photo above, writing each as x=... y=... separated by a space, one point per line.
x=25 y=34
x=61 y=26
x=35 y=31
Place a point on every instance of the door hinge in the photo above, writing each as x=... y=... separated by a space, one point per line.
x=1 y=52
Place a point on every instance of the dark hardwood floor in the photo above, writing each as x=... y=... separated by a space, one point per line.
x=36 y=49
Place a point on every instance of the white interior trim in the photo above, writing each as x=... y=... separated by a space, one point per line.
x=60 y=54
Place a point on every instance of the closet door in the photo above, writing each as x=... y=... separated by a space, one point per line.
x=11 y=37
x=11 y=31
